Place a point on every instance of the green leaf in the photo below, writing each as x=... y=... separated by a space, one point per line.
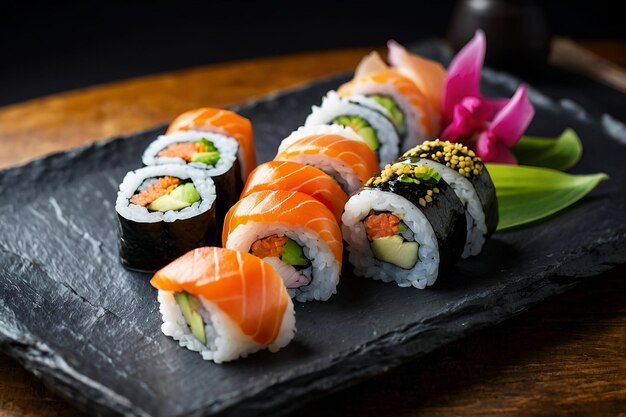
x=558 y=153
x=526 y=194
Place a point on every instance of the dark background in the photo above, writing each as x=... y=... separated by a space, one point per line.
x=55 y=48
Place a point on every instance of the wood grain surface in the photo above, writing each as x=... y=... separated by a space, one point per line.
x=566 y=356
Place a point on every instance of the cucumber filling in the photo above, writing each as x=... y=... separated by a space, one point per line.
x=396 y=115
x=287 y=257
x=362 y=128
x=191 y=309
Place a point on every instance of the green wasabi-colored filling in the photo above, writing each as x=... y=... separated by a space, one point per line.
x=210 y=156
x=397 y=117
x=362 y=128
x=190 y=307
x=293 y=254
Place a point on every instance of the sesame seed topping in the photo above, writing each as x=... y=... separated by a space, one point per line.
x=454 y=155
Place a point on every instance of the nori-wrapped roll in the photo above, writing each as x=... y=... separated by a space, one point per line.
x=468 y=176
x=164 y=211
x=405 y=225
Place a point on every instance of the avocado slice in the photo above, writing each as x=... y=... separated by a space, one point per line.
x=208 y=158
x=394 y=250
x=293 y=254
x=207 y=144
x=397 y=117
x=167 y=203
x=186 y=193
x=190 y=307
x=402 y=227
x=362 y=128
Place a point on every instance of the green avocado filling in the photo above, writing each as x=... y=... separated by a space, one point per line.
x=362 y=128
x=397 y=117
x=190 y=307
x=210 y=155
x=402 y=227
x=395 y=250
x=293 y=254
x=182 y=196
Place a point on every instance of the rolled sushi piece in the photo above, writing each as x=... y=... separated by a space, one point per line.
x=410 y=110
x=225 y=122
x=470 y=180
x=294 y=233
x=224 y=304
x=213 y=152
x=163 y=212
x=366 y=117
x=292 y=176
x=405 y=225
x=336 y=150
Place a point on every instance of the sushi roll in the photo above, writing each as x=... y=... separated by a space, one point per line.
x=336 y=150
x=410 y=110
x=224 y=122
x=163 y=212
x=224 y=304
x=292 y=176
x=405 y=225
x=470 y=180
x=366 y=117
x=294 y=233
x=213 y=152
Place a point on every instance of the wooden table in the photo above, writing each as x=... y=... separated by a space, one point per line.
x=565 y=356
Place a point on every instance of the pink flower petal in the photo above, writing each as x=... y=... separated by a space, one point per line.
x=463 y=76
x=511 y=121
x=491 y=150
x=470 y=115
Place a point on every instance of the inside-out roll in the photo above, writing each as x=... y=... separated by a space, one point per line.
x=405 y=225
x=366 y=117
x=164 y=211
x=470 y=180
x=294 y=233
x=224 y=304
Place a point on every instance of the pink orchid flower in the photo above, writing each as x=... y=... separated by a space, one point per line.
x=489 y=126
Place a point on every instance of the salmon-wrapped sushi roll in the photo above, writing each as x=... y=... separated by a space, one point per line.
x=411 y=111
x=336 y=150
x=224 y=304
x=292 y=176
x=294 y=233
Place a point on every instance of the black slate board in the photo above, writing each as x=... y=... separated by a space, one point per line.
x=90 y=329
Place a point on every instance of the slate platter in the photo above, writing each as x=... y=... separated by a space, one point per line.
x=91 y=330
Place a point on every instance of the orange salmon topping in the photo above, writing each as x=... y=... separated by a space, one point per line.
x=381 y=225
x=163 y=186
x=269 y=246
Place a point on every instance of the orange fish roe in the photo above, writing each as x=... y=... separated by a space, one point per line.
x=269 y=246
x=163 y=186
x=381 y=225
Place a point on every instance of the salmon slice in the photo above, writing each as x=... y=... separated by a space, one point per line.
x=381 y=225
x=161 y=187
x=428 y=75
x=421 y=109
x=352 y=154
x=227 y=123
x=245 y=288
x=292 y=176
x=292 y=208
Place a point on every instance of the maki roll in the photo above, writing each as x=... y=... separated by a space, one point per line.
x=336 y=150
x=163 y=212
x=470 y=180
x=366 y=117
x=405 y=225
x=225 y=122
x=213 y=152
x=294 y=233
x=224 y=304
x=292 y=176
x=410 y=110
